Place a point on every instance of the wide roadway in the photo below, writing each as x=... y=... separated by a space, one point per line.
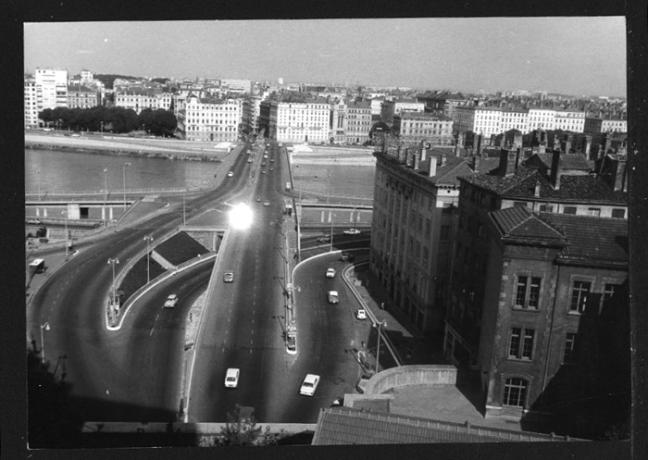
x=245 y=321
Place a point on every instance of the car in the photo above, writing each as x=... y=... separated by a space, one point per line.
x=346 y=257
x=232 y=377
x=271 y=160
x=309 y=385
x=333 y=297
x=263 y=171
x=352 y=231
x=361 y=313
x=271 y=168
x=230 y=174
x=228 y=277
x=265 y=156
x=266 y=203
x=249 y=160
x=258 y=199
x=330 y=273
x=324 y=239
x=171 y=300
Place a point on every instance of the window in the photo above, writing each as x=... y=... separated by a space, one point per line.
x=596 y=212
x=546 y=208
x=521 y=343
x=580 y=292
x=515 y=392
x=569 y=355
x=569 y=210
x=618 y=213
x=527 y=292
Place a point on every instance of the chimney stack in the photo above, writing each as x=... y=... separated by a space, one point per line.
x=555 y=170
x=433 y=166
x=536 y=191
x=475 y=164
x=621 y=176
x=416 y=161
x=423 y=154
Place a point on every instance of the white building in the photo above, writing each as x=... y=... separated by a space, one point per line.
x=358 y=122
x=86 y=76
x=139 y=99
x=53 y=84
x=614 y=126
x=32 y=98
x=416 y=127
x=376 y=105
x=542 y=119
x=401 y=106
x=213 y=119
x=570 y=121
x=303 y=121
x=339 y=121
x=514 y=119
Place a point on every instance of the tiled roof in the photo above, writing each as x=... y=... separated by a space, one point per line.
x=571 y=161
x=592 y=239
x=520 y=224
x=499 y=184
x=347 y=426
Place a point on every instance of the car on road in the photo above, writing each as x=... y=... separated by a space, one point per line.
x=228 y=277
x=232 y=377
x=230 y=174
x=309 y=385
x=258 y=199
x=324 y=239
x=352 y=231
x=361 y=313
x=265 y=156
x=346 y=257
x=266 y=203
x=333 y=297
x=171 y=301
x=263 y=171
x=330 y=272
x=249 y=160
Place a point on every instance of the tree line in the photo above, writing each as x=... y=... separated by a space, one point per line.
x=158 y=122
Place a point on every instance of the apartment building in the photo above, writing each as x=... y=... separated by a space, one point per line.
x=32 y=98
x=570 y=121
x=408 y=105
x=339 y=121
x=82 y=97
x=514 y=119
x=53 y=88
x=414 y=218
x=614 y=126
x=140 y=98
x=541 y=119
x=300 y=121
x=213 y=119
x=358 y=122
x=428 y=127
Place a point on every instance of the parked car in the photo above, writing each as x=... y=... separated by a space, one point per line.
x=352 y=231
x=232 y=377
x=333 y=297
x=309 y=385
x=361 y=313
x=330 y=273
x=230 y=174
x=171 y=301
x=228 y=277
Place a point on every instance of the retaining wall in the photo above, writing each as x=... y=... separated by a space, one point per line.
x=411 y=375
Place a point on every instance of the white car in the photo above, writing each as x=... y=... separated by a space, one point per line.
x=228 y=277
x=361 y=313
x=230 y=174
x=330 y=273
x=333 y=297
x=232 y=377
x=352 y=231
x=310 y=385
x=171 y=301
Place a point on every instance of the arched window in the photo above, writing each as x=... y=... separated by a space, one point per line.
x=515 y=390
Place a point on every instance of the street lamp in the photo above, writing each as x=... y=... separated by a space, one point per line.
x=379 y=325
x=113 y=261
x=44 y=326
x=148 y=239
x=66 y=233
x=105 y=170
x=124 y=177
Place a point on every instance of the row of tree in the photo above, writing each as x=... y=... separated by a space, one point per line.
x=159 y=122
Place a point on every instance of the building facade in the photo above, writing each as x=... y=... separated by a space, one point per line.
x=414 y=218
x=427 y=127
x=358 y=122
x=614 y=126
x=302 y=121
x=570 y=121
x=33 y=100
x=82 y=97
x=139 y=99
x=213 y=119
x=541 y=119
x=53 y=88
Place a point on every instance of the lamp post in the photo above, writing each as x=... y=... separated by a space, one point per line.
x=66 y=234
x=124 y=177
x=148 y=239
x=105 y=171
x=379 y=325
x=113 y=261
x=44 y=326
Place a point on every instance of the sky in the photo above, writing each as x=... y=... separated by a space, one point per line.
x=568 y=55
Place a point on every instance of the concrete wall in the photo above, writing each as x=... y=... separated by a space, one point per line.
x=411 y=375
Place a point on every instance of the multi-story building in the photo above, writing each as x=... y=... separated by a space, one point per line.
x=435 y=129
x=414 y=218
x=541 y=119
x=301 y=121
x=376 y=106
x=138 y=99
x=233 y=85
x=358 y=122
x=213 y=119
x=514 y=119
x=408 y=105
x=570 y=121
x=510 y=185
x=485 y=121
x=614 y=126
x=82 y=97
x=339 y=121
x=33 y=99
x=53 y=84
x=87 y=76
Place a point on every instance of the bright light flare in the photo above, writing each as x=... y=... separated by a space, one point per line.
x=240 y=216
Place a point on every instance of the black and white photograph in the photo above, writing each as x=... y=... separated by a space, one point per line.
x=269 y=233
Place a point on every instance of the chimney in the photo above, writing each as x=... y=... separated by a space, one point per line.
x=408 y=158
x=444 y=160
x=555 y=170
x=479 y=142
x=517 y=159
x=401 y=155
x=433 y=166
x=536 y=191
x=416 y=161
x=621 y=176
x=475 y=164
x=504 y=168
x=423 y=154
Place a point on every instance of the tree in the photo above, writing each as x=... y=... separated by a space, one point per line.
x=241 y=429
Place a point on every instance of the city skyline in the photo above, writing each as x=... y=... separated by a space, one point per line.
x=575 y=56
